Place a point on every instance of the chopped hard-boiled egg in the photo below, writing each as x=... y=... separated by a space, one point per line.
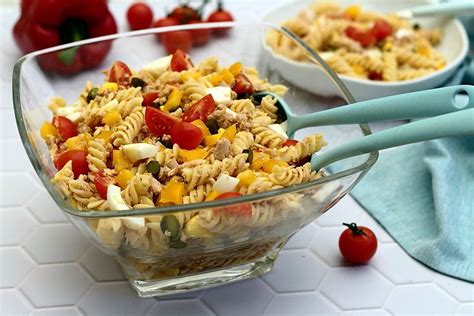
x=403 y=32
x=135 y=223
x=114 y=198
x=326 y=55
x=229 y=111
x=221 y=95
x=138 y=151
x=277 y=128
x=225 y=183
x=70 y=112
x=158 y=66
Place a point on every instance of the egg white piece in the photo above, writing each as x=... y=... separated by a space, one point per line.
x=277 y=128
x=225 y=183
x=138 y=151
x=114 y=198
x=158 y=66
x=221 y=95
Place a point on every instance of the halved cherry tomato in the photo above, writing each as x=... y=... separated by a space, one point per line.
x=177 y=40
x=79 y=161
x=374 y=75
x=149 y=97
x=242 y=84
x=102 y=181
x=159 y=122
x=220 y=15
x=200 y=36
x=168 y=21
x=357 y=244
x=365 y=38
x=186 y=135
x=120 y=73
x=200 y=110
x=242 y=210
x=289 y=142
x=139 y=16
x=184 y=14
x=180 y=61
x=381 y=29
x=65 y=127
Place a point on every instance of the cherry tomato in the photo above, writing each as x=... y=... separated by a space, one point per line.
x=289 y=142
x=220 y=15
x=119 y=73
x=186 y=135
x=180 y=61
x=159 y=122
x=357 y=244
x=365 y=38
x=139 y=16
x=79 y=161
x=373 y=75
x=242 y=210
x=201 y=109
x=200 y=36
x=102 y=181
x=168 y=21
x=177 y=40
x=242 y=84
x=381 y=29
x=184 y=14
x=149 y=97
x=66 y=128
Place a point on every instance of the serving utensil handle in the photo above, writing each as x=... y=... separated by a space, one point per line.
x=459 y=8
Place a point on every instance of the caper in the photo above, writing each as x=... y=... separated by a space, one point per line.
x=167 y=143
x=153 y=167
x=213 y=126
x=416 y=26
x=92 y=94
x=171 y=224
x=177 y=244
x=250 y=155
x=137 y=82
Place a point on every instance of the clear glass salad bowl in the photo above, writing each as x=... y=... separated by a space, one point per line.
x=238 y=249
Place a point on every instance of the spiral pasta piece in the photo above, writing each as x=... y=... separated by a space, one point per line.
x=81 y=191
x=390 y=66
x=266 y=137
x=193 y=90
x=98 y=153
x=129 y=128
x=287 y=176
x=197 y=194
x=413 y=59
x=261 y=184
x=410 y=73
x=268 y=106
x=242 y=141
x=62 y=178
x=136 y=189
x=242 y=105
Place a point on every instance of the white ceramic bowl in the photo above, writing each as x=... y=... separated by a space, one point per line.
x=454 y=47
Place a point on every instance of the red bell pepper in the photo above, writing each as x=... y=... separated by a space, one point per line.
x=47 y=23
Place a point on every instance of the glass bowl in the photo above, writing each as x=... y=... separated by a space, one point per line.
x=235 y=248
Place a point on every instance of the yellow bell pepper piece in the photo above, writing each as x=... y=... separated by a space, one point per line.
x=172 y=192
x=78 y=142
x=190 y=155
x=258 y=160
x=124 y=177
x=211 y=140
x=48 y=129
x=190 y=75
x=215 y=79
x=110 y=86
x=236 y=68
x=202 y=127
x=353 y=11
x=423 y=50
x=112 y=118
x=104 y=135
x=268 y=165
x=120 y=161
x=387 y=46
x=227 y=76
x=230 y=132
x=212 y=196
x=174 y=100
x=246 y=177
x=358 y=69
x=194 y=230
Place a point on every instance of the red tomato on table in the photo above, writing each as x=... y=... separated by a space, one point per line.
x=200 y=36
x=102 y=181
x=357 y=244
x=180 y=61
x=186 y=135
x=66 y=128
x=242 y=210
x=220 y=15
x=120 y=73
x=168 y=21
x=139 y=16
x=79 y=161
x=158 y=122
x=177 y=40
x=201 y=109
x=184 y=14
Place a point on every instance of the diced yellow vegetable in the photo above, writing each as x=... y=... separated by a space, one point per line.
x=120 y=161
x=112 y=118
x=190 y=155
x=258 y=160
x=387 y=46
x=110 y=86
x=78 y=142
x=423 y=50
x=104 y=135
x=172 y=192
x=190 y=75
x=268 y=165
x=439 y=64
x=215 y=79
x=194 y=230
x=212 y=196
x=48 y=129
x=227 y=76
x=211 y=140
x=352 y=11
x=358 y=69
x=246 y=177
x=202 y=127
x=230 y=132
x=124 y=177
x=236 y=68
x=174 y=100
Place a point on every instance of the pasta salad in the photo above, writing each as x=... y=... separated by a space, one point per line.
x=362 y=44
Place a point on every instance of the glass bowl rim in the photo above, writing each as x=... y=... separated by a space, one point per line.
x=67 y=207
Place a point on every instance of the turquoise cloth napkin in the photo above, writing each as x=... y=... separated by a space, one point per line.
x=423 y=195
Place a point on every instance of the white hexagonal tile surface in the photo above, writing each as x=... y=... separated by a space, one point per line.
x=101 y=266
x=14 y=267
x=15 y=224
x=45 y=209
x=301 y=304
x=12 y=302
x=180 y=307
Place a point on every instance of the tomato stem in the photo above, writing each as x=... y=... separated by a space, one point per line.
x=355 y=229
x=220 y=5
